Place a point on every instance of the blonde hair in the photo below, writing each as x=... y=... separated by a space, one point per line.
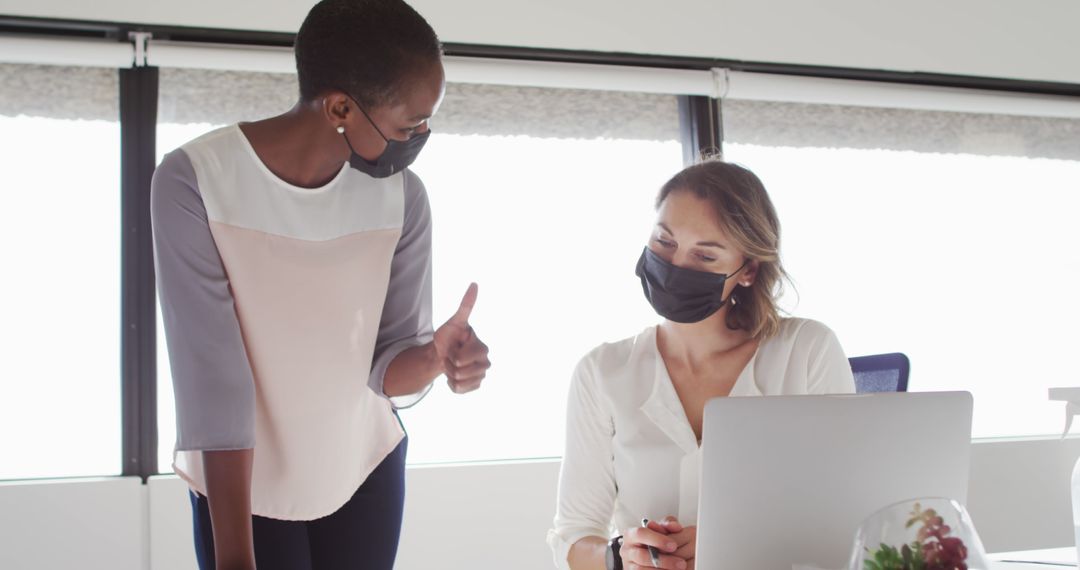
x=747 y=215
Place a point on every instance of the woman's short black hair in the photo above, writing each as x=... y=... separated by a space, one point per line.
x=367 y=48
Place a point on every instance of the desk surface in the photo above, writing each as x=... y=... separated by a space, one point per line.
x=1035 y=559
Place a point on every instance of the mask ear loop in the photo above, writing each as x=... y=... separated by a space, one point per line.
x=741 y=267
x=366 y=116
x=341 y=129
x=731 y=297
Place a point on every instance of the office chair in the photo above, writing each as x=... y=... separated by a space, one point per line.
x=880 y=372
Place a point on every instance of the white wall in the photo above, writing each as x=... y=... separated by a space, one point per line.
x=172 y=544
x=489 y=516
x=1001 y=38
x=477 y=516
x=87 y=524
x=1019 y=495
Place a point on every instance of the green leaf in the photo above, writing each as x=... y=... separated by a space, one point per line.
x=917 y=560
x=888 y=558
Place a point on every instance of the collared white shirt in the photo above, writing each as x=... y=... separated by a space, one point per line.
x=630 y=450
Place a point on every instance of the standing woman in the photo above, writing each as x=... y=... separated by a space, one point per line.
x=294 y=270
x=712 y=272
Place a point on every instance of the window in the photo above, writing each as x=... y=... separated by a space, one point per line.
x=60 y=375
x=947 y=236
x=542 y=196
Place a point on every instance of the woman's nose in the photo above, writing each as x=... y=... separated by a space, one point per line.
x=681 y=259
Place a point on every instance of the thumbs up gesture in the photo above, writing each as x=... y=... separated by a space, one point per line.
x=464 y=358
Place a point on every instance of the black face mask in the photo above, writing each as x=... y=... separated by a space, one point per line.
x=397 y=156
x=678 y=294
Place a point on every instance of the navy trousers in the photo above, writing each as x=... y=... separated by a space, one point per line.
x=363 y=534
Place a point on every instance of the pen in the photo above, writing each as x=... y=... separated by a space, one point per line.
x=653 y=554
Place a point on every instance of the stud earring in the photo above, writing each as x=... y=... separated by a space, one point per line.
x=341 y=129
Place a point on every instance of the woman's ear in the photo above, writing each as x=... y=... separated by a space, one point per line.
x=747 y=276
x=335 y=106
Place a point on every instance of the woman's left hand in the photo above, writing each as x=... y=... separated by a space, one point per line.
x=684 y=537
x=463 y=356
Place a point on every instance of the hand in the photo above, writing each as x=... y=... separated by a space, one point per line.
x=635 y=554
x=685 y=537
x=464 y=358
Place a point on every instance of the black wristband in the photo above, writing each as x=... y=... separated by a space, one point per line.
x=614 y=556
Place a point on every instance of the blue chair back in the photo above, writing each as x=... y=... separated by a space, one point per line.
x=880 y=372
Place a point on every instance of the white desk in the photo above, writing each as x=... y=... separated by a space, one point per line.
x=1048 y=559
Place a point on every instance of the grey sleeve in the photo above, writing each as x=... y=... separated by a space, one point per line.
x=406 y=317
x=212 y=378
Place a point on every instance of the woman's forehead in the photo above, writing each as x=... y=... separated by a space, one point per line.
x=685 y=212
x=424 y=91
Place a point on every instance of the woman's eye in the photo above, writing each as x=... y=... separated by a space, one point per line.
x=706 y=258
x=664 y=243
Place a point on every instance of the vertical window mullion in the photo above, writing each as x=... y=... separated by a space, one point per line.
x=138 y=123
x=700 y=127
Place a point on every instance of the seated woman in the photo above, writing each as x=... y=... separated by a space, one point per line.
x=712 y=271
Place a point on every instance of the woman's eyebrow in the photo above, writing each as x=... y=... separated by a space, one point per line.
x=718 y=245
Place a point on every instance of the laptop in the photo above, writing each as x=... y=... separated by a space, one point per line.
x=786 y=480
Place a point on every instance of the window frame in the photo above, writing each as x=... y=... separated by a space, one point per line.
x=700 y=130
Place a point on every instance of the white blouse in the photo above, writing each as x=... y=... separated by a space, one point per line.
x=630 y=450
